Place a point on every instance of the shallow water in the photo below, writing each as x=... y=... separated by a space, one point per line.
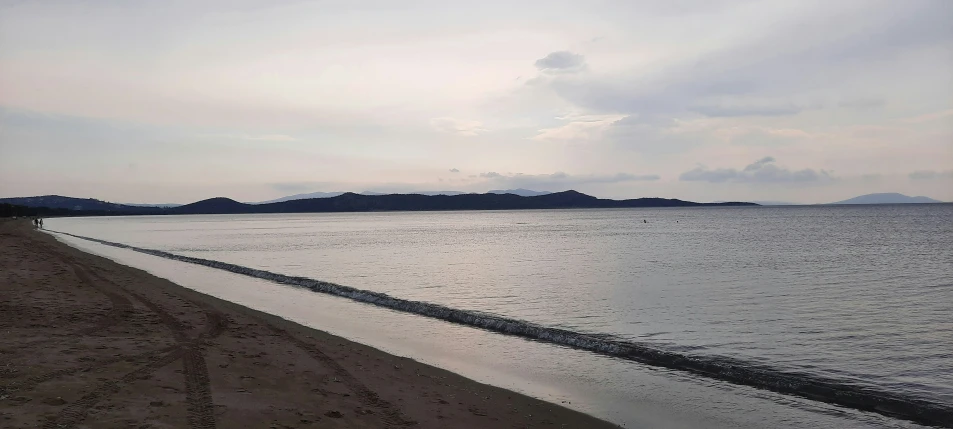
x=861 y=295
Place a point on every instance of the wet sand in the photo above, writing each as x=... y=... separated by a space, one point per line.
x=89 y=343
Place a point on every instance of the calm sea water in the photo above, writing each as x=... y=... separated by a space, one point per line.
x=861 y=295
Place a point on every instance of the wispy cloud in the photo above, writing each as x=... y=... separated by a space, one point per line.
x=561 y=62
x=578 y=128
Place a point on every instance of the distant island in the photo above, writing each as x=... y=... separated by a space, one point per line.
x=880 y=198
x=887 y=198
x=351 y=202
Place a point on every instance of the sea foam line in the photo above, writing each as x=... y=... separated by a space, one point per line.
x=722 y=368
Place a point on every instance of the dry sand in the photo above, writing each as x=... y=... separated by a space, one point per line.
x=86 y=342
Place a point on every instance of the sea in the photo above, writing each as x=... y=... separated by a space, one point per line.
x=712 y=317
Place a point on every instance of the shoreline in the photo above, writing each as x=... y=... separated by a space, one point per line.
x=88 y=339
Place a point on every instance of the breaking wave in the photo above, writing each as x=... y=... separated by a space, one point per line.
x=732 y=370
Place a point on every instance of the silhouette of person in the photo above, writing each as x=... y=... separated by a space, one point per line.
x=36 y=223
x=41 y=223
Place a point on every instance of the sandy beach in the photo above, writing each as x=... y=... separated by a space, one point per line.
x=91 y=343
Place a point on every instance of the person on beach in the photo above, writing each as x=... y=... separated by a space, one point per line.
x=41 y=222
x=36 y=223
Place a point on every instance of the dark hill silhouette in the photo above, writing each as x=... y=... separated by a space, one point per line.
x=218 y=205
x=351 y=202
x=11 y=210
x=77 y=204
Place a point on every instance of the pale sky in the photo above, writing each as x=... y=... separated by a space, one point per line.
x=176 y=101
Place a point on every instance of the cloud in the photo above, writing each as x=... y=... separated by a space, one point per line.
x=578 y=129
x=454 y=170
x=559 y=180
x=761 y=171
x=798 y=65
x=931 y=175
x=759 y=164
x=561 y=62
x=457 y=126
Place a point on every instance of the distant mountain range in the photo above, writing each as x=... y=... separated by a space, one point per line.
x=508 y=199
x=351 y=202
x=521 y=192
x=887 y=198
x=301 y=197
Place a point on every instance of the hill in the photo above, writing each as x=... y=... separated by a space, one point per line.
x=351 y=202
x=219 y=205
x=11 y=210
x=887 y=198
x=78 y=204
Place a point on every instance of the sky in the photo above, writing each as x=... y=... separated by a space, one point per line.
x=705 y=100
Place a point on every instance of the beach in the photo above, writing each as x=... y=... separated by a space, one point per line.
x=91 y=343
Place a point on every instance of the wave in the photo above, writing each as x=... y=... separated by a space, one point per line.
x=732 y=370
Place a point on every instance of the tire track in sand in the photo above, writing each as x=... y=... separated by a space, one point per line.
x=198 y=386
x=121 y=306
x=199 y=403
x=393 y=417
x=121 y=309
